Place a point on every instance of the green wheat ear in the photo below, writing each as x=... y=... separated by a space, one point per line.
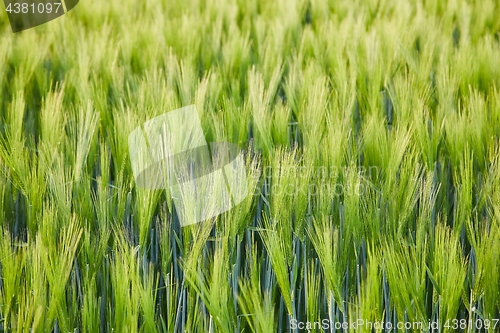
x=370 y=132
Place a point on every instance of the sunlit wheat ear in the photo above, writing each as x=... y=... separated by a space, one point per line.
x=407 y=263
x=447 y=272
x=325 y=239
x=256 y=302
x=260 y=102
x=59 y=249
x=238 y=217
x=35 y=289
x=53 y=120
x=213 y=285
x=12 y=265
x=276 y=249
x=370 y=288
x=84 y=134
x=123 y=274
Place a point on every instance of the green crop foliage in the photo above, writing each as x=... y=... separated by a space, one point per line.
x=370 y=135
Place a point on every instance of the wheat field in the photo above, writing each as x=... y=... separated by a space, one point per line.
x=370 y=132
